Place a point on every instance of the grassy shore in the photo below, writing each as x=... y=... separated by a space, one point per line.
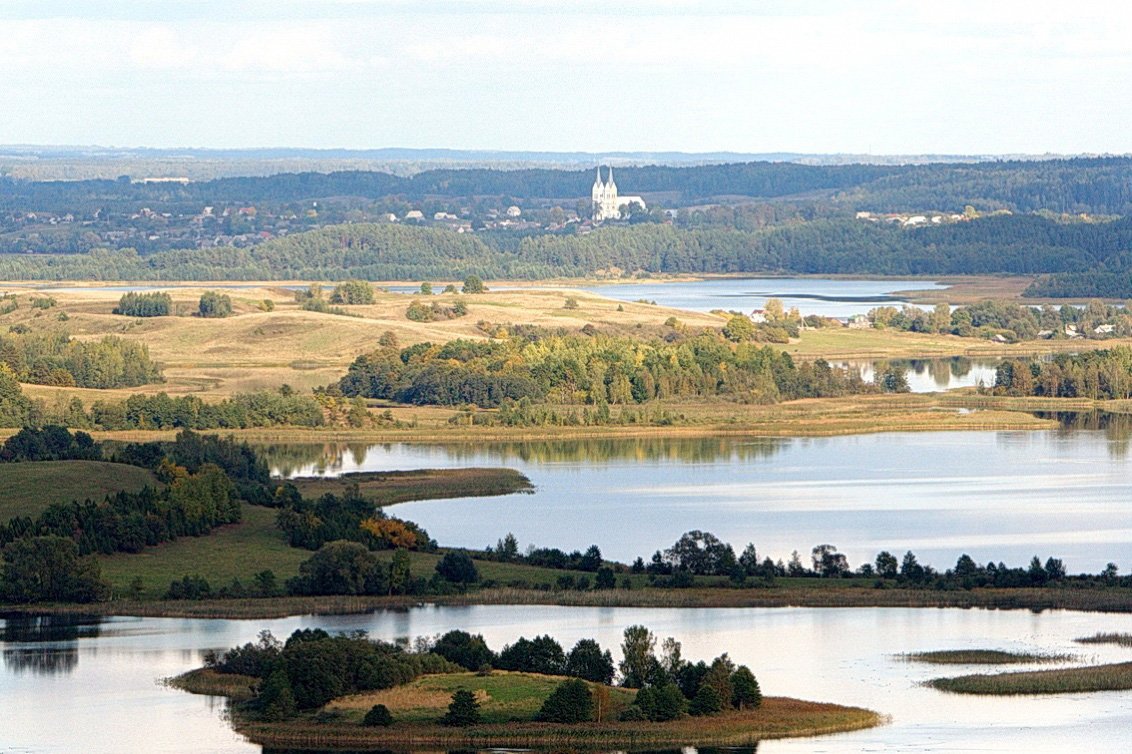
x=982 y=657
x=820 y=594
x=508 y=702
x=390 y=487
x=1112 y=677
x=27 y=488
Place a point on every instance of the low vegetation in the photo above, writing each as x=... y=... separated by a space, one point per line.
x=1112 y=677
x=982 y=657
x=1122 y=640
x=390 y=487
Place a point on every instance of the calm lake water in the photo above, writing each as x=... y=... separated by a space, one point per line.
x=933 y=375
x=99 y=693
x=829 y=298
x=1002 y=496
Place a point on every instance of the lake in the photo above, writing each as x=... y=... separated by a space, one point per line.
x=96 y=689
x=1001 y=496
x=932 y=375
x=823 y=296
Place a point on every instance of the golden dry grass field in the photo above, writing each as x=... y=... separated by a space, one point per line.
x=256 y=349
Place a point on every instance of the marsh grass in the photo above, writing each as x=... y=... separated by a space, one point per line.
x=1122 y=640
x=1112 y=677
x=982 y=657
x=206 y=681
x=390 y=487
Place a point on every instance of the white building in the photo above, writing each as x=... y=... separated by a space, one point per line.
x=606 y=203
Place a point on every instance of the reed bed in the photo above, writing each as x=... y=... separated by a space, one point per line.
x=1123 y=640
x=1112 y=677
x=982 y=657
x=206 y=681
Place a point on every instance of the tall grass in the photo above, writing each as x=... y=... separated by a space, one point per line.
x=981 y=657
x=1123 y=640
x=1113 y=677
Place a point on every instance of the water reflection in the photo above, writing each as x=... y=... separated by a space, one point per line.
x=22 y=628
x=330 y=459
x=52 y=642
x=50 y=660
x=932 y=375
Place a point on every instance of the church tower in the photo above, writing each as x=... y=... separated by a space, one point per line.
x=604 y=196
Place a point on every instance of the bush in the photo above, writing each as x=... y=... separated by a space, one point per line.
x=457 y=568
x=571 y=702
x=352 y=292
x=463 y=711
x=571 y=303
x=214 y=305
x=473 y=284
x=378 y=716
x=466 y=650
x=145 y=305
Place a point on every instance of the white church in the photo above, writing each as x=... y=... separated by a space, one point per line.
x=606 y=203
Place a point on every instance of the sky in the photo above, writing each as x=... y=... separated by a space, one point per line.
x=858 y=76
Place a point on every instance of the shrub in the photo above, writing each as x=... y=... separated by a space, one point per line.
x=352 y=292
x=473 y=284
x=458 y=568
x=144 y=305
x=214 y=305
x=466 y=650
x=378 y=716
x=571 y=702
x=463 y=711
x=571 y=303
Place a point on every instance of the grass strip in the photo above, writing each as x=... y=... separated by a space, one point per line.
x=1111 y=677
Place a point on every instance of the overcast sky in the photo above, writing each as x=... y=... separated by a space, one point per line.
x=801 y=75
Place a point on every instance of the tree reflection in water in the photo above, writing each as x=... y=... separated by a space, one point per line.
x=51 y=641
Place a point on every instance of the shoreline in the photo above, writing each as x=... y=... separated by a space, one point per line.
x=1034 y=599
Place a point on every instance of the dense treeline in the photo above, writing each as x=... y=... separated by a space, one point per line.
x=265 y=408
x=313 y=667
x=989 y=319
x=599 y=370
x=57 y=359
x=1099 y=375
x=1021 y=244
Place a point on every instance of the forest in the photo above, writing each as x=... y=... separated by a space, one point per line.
x=600 y=370
x=1093 y=185
x=1051 y=217
x=1014 y=244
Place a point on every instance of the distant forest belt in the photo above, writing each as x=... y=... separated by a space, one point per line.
x=390 y=487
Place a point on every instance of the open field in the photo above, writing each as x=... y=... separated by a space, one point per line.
x=255 y=349
x=390 y=487
x=1112 y=677
x=27 y=488
x=981 y=657
x=503 y=697
x=235 y=551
